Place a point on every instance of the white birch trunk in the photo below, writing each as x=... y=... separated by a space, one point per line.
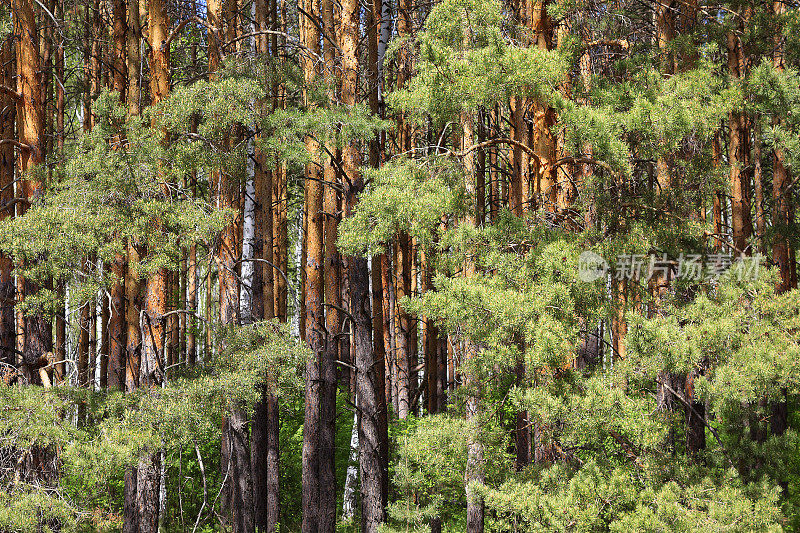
x=351 y=479
x=248 y=236
x=298 y=256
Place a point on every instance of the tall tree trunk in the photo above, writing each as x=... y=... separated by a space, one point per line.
x=369 y=382
x=36 y=335
x=116 y=321
x=738 y=154
x=376 y=20
x=474 y=473
x=314 y=518
x=7 y=121
x=265 y=434
x=332 y=293
x=154 y=293
x=237 y=496
x=274 y=201
x=781 y=195
x=475 y=470
x=782 y=252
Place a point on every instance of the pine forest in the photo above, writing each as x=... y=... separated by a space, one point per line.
x=392 y=266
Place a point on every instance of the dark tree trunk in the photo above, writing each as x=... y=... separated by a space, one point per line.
x=7 y=121
x=695 y=417
x=237 y=468
x=273 y=464
x=371 y=402
x=130 y=511
x=116 y=327
x=147 y=484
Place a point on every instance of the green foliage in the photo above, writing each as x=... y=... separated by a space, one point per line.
x=430 y=465
x=466 y=61
x=122 y=185
x=596 y=499
x=182 y=417
x=405 y=195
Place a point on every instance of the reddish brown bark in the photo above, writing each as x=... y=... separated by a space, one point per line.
x=35 y=339
x=780 y=181
x=738 y=154
x=314 y=518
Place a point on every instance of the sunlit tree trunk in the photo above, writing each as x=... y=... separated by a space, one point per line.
x=35 y=332
x=369 y=382
x=314 y=518
x=738 y=153
x=782 y=220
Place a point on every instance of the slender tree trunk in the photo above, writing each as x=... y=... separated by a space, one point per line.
x=7 y=122
x=84 y=324
x=191 y=305
x=781 y=195
x=369 y=386
x=274 y=202
x=388 y=331
x=430 y=339
x=737 y=154
x=102 y=352
x=133 y=305
x=475 y=471
x=374 y=74
x=402 y=325
x=332 y=294
x=758 y=188
x=314 y=518
x=520 y=163
x=264 y=437
x=783 y=218
x=716 y=150
x=36 y=336
x=237 y=496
